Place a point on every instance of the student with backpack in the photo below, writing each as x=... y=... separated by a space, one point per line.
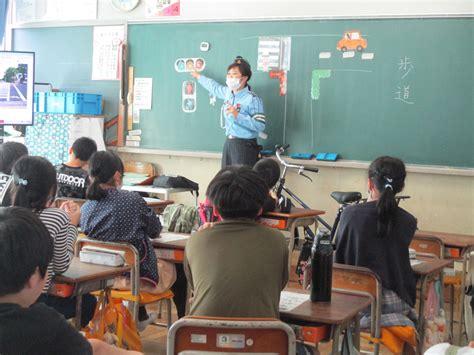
x=116 y=215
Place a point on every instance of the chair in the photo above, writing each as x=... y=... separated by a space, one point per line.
x=429 y=245
x=139 y=167
x=133 y=296
x=198 y=335
x=361 y=280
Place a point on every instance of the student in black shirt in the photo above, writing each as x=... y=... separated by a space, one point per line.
x=72 y=177
x=377 y=235
x=26 y=327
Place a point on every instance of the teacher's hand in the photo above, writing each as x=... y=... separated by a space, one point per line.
x=232 y=110
x=195 y=75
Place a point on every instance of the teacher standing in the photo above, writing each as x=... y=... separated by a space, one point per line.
x=242 y=112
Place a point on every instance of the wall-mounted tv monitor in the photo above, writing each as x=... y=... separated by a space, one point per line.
x=17 y=78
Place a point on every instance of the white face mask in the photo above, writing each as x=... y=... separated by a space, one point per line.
x=233 y=83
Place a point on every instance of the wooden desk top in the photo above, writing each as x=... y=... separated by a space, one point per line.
x=171 y=244
x=295 y=213
x=154 y=189
x=342 y=308
x=176 y=244
x=430 y=266
x=155 y=202
x=451 y=239
x=80 y=272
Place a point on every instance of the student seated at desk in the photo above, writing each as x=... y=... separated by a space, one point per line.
x=269 y=170
x=73 y=180
x=34 y=187
x=237 y=259
x=26 y=327
x=10 y=152
x=115 y=215
x=377 y=235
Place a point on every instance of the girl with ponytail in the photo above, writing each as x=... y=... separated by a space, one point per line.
x=116 y=215
x=34 y=187
x=376 y=235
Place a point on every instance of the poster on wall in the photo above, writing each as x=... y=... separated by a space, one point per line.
x=274 y=53
x=159 y=8
x=107 y=52
x=54 y=10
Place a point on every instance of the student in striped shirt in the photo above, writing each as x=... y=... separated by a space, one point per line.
x=34 y=187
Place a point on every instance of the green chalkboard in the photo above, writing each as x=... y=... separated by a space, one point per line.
x=414 y=99
x=64 y=59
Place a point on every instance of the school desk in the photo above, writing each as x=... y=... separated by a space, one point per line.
x=166 y=192
x=343 y=310
x=427 y=270
x=157 y=204
x=170 y=246
x=297 y=217
x=458 y=246
x=87 y=278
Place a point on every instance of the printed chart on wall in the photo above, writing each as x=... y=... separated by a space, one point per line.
x=107 y=52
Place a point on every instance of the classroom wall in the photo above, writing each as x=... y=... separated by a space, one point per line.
x=209 y=9
x=247 y=9
x=440 y=202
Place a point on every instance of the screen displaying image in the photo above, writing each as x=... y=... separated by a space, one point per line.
x=16 y=87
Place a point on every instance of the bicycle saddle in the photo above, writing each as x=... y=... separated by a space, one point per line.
x=346 y=197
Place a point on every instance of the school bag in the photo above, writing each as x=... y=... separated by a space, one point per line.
x=175 y=181
x=181 y=219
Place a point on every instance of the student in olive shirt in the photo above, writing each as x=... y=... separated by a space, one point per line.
x=72 y=179
x=26 y=249
x=237 y=267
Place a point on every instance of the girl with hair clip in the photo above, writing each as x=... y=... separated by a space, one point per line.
x=34 y=187
x=10 y=152
x=116 y=215
x=377 y=235
x=242 y=113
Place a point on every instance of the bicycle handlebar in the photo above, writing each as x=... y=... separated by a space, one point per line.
x=279 y=149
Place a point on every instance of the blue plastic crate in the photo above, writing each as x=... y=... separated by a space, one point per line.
x=68 y=102
x=85 y=104
x=55 y=102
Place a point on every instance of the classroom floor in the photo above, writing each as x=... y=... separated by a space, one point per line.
x=154 y=338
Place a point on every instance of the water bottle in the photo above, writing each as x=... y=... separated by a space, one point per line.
x=321 y=264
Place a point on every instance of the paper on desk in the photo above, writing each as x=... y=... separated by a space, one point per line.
x=414 y=262
x=170 y=237
x=291 y=300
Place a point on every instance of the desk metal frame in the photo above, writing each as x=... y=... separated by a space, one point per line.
x=93 y=278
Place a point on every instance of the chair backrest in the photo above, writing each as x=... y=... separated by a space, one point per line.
x=60 y=200
x=361 y=280
x=131 y=258
x=139 y=167
x=428 y=245
x=198 y=335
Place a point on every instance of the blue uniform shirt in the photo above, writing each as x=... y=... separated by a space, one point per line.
x=250 y=120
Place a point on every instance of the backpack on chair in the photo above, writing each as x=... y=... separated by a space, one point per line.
x=181 y=219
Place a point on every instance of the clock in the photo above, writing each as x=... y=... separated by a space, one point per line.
x=125 y=5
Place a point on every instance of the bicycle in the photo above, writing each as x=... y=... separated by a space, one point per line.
x=344 y=199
